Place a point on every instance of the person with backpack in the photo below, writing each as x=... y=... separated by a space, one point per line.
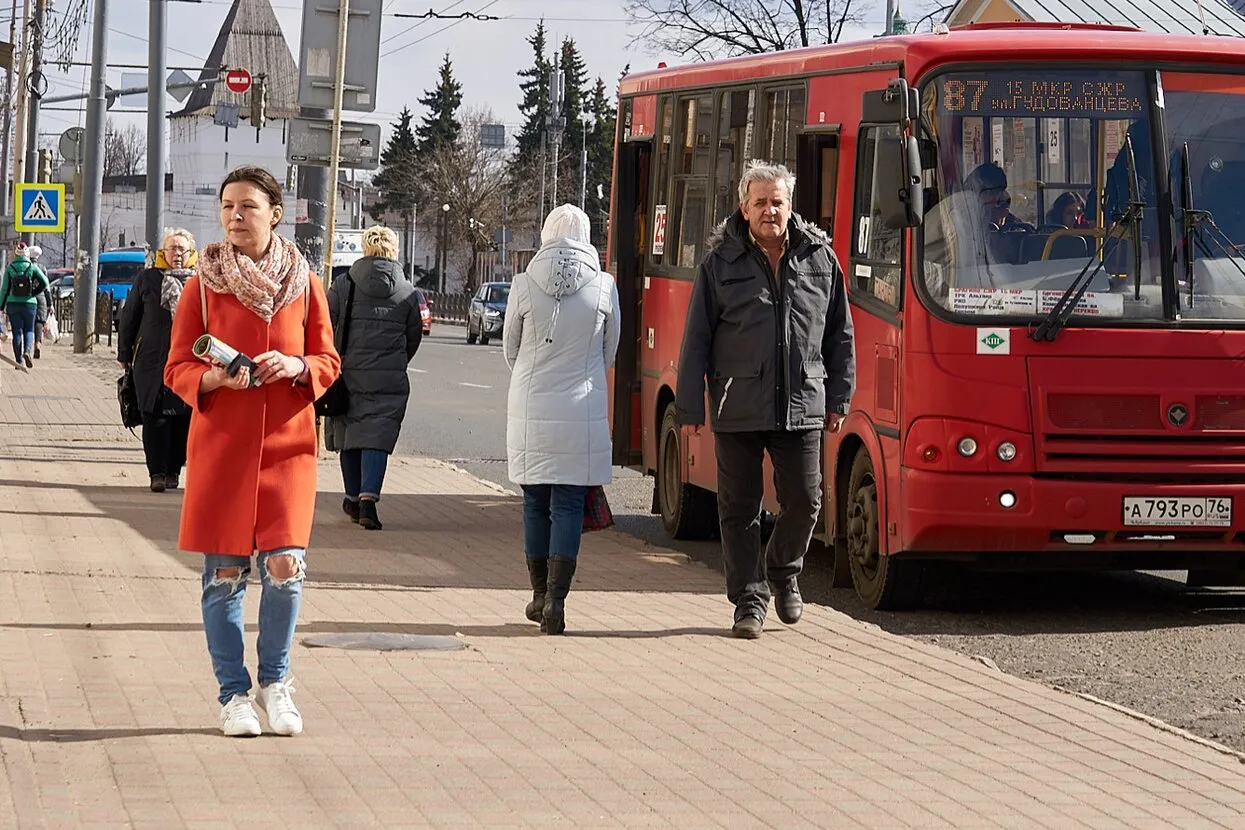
x=43 y=301
x=20 y=288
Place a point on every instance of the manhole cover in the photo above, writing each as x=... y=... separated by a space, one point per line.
x=385 y=642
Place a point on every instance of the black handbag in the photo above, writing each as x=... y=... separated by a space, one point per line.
x=335 y=402
x=127 y=398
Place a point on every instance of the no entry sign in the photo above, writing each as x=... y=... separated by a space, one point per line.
x=238 y=80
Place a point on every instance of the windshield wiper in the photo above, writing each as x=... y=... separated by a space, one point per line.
x=1064 y=307
x=1193 y=222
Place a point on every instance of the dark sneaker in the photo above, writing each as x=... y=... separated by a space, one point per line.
x=351 y=509
x=30 y=364
x=158 y=484
x=368 y=520
x=172 y=482
x=788 y=602
x=748 y=627
x=36 y=351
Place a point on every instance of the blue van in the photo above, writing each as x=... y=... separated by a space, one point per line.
x=117 y=270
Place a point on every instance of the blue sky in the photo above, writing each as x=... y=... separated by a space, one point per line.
x=486 y=54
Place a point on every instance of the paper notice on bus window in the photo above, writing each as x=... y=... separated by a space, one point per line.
x=1093 y=304
x=993 y=301
x=659 y=230
x=996 y=141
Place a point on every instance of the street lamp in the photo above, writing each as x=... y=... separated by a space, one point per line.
x=445 y=244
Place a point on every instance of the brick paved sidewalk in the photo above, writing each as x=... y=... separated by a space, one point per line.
x=646 y=714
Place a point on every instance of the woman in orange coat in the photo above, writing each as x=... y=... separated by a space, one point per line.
x=251 y=457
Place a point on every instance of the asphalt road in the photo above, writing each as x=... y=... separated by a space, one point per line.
x=1137 y=639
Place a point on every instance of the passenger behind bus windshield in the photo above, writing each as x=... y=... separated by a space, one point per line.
x=1028 y=177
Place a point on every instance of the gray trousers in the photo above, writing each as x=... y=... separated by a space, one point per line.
x=796 y=457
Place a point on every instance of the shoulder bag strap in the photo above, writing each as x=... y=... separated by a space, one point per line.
x=346 y=322
x=203 y=303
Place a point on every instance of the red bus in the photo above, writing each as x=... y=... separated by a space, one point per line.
x=1042 y=231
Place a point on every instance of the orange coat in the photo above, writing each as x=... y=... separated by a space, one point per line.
x=251 y=458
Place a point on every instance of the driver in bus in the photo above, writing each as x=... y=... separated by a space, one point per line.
x=958 y=250
x=768 y=326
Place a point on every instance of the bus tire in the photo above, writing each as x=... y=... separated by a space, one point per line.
x=688 y=512
x=882 y=582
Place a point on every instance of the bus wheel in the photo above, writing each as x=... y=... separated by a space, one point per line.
x=882 y=582
x=687 y=511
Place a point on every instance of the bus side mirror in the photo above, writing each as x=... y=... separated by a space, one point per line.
x=899 y=196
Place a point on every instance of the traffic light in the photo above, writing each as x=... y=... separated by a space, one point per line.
x=259 y=102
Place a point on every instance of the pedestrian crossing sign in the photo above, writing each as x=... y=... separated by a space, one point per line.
x=40 y=207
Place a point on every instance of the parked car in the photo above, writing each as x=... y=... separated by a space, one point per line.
x=60 y=283
x=425 y=312
x=486 y=316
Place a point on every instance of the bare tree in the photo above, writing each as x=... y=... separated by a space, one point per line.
x=470 y=178
x=707 y=29
x=125 y=150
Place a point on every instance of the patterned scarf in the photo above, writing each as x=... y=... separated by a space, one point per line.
x=265 y=287
x=171 y=287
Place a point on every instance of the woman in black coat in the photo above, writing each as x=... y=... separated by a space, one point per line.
x=143 y=344
x=384 y=333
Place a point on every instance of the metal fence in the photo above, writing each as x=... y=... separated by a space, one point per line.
x=107 y=313
x=448 y=308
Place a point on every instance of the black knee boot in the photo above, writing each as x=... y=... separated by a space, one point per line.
x=538 y=572
x=561 y=572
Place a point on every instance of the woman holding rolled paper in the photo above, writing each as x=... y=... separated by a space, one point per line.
x=251 y=458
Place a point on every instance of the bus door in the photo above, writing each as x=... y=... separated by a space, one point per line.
x=817 y=171
x=630 y=190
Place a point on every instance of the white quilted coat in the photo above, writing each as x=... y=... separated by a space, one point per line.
x=561 y=333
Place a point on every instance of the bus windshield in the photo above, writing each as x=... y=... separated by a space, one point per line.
x=119 y=273
x=1030 y=186
x=1206 y=144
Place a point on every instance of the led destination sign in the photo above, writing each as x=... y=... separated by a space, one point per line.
x=1081 y=95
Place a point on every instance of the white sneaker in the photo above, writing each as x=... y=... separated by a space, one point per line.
x=238 y=718
x=283 y=715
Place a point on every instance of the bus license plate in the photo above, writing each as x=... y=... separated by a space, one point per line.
x=1151 y=511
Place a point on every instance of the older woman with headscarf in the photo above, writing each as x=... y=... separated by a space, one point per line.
x=251 y=460
x=561 y=334
x=143 y=344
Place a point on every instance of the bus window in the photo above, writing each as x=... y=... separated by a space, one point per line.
x=784 y=118
x=875 y=270
x=1028 y=182
x=1206 y=114
x=665 y=143
x=688 y=208
x=736 y=115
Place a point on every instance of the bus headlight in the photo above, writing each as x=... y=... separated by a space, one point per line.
x=967 y=447
x=1006 y=451
x=1007 y=499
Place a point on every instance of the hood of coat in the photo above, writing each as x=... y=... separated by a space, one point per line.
x=562 y=267
x=377 y=276
x=730 y=237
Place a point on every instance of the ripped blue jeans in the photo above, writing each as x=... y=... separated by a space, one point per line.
x=223 y=593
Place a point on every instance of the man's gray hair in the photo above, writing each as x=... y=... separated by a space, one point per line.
x=762 y=171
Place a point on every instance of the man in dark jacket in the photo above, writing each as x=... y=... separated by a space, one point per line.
x=768 y=326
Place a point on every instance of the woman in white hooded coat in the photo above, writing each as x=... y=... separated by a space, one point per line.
x=560 y=335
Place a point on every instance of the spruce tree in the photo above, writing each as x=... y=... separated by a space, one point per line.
x=440 y=125
x=398 y=179
x=601 y=136
x=535 y=104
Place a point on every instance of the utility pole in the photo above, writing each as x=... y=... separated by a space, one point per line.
x=36 y=85
x=540 y=212
x=556 y=121
x=6 y=131
x=19 y=134
x=93 y=186
x=339 y=81
x=890 y=18
x=583 y=163
x=157 y=68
